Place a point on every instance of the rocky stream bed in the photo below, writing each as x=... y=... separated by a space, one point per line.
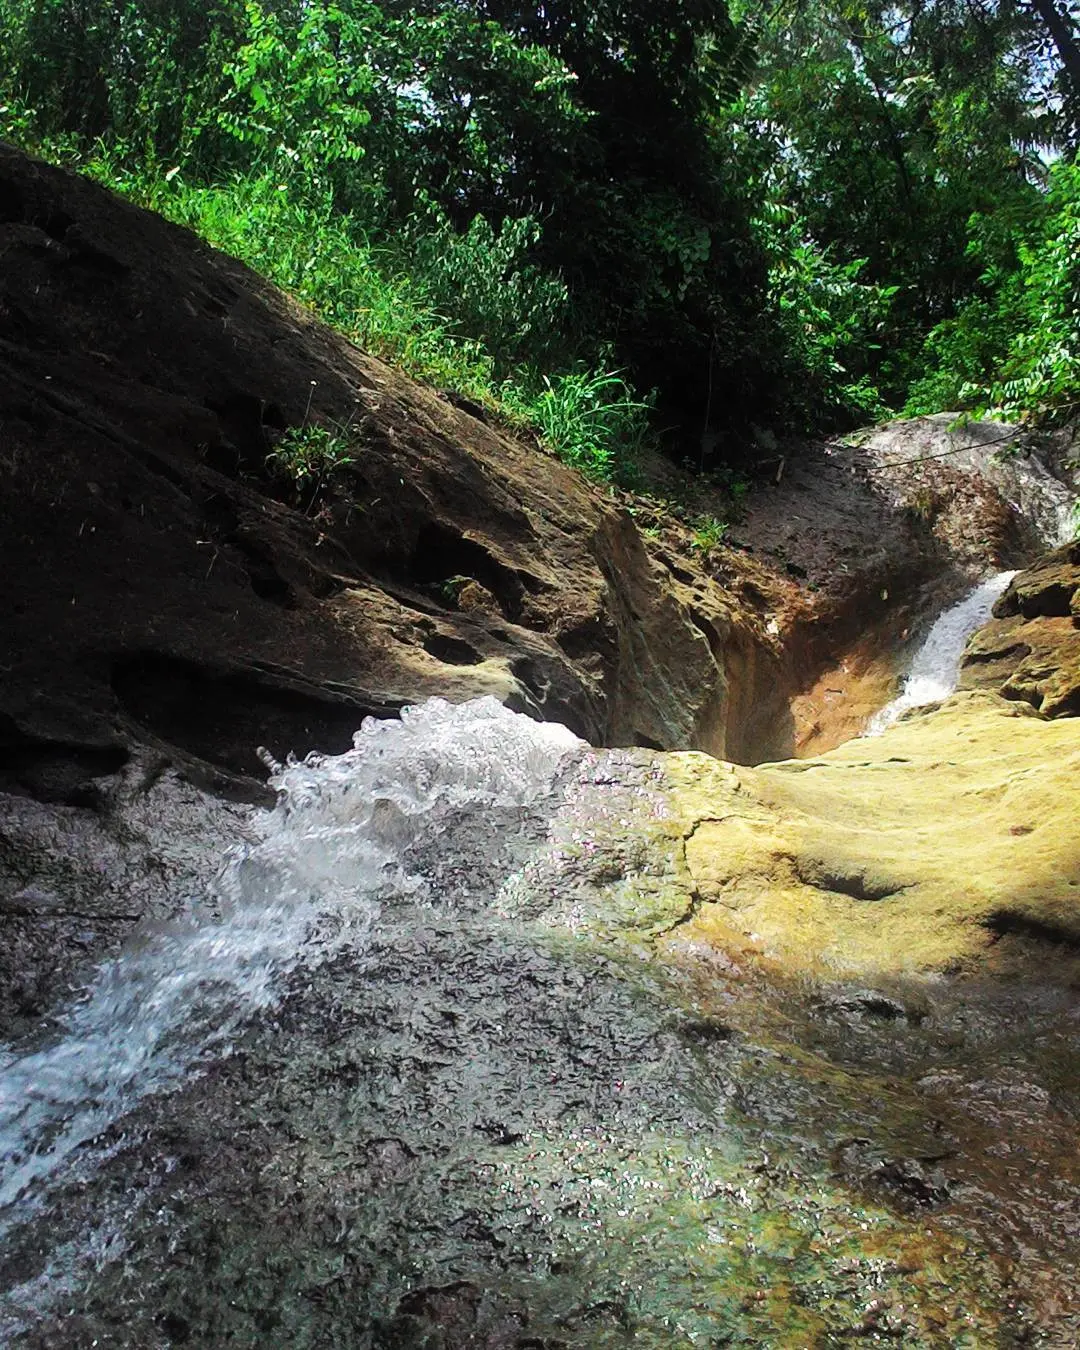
x=486 y=1035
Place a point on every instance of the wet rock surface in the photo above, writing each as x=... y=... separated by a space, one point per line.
x=1030 y=652
x=503 y=1121
x=78 y=877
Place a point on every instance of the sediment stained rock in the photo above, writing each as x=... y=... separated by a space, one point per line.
x=1030 y=651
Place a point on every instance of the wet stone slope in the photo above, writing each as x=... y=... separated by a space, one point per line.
x=493 y=1117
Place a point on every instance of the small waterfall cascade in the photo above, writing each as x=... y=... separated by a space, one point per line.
x=936 y=667
x=327 y=856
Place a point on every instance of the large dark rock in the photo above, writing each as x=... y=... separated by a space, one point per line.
x=161 y=584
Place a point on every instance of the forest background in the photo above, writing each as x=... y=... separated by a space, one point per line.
x=712 y=223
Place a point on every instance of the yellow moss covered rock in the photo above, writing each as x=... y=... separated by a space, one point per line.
x=948 y=844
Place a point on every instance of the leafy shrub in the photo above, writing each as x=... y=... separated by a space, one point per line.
x=1015 y=351
x=709 y=533
x=832 y=319
x=308 y=455
x=297 y=98
x=483 y=277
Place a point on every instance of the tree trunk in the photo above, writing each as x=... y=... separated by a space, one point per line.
x=1065 y=39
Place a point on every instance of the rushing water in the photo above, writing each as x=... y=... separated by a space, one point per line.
x=328 y=853
x=936 y=667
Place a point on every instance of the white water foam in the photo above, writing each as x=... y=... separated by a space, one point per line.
x=936 y=668
x=326 y=855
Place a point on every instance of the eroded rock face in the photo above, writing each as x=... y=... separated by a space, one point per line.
x=878 y=534
x=162 y=586
x=1030 y=651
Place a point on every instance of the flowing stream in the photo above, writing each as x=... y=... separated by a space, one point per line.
x=936 y=667
x=409 y=1076
x=329 y=854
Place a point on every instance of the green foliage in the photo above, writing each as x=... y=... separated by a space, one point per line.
x=594 y=120
x=310 y=454
x=298 y=96
x=482 y=275
x=591 y=421
x=1041 y=371
x=832 y=320
x=138 y=72
x=709 y=533
x=1015 y=349
x=885 y=128
x=774 y=215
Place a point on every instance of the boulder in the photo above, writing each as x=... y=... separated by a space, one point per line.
x=166 y=583
x=946 y=845
x=1030 y=651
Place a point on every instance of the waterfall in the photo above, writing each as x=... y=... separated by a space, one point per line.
x=936 y=667
x=326 y=856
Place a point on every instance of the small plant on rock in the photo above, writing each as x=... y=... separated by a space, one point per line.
x=709 y=533
x=308 y=454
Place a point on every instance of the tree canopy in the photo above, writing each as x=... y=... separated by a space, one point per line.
x=766 y=217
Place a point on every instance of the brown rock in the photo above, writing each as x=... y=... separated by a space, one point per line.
x=163 y=585
x=1030 y=651
x=1047 y=589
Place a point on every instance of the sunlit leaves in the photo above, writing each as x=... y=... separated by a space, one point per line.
x=298 y=96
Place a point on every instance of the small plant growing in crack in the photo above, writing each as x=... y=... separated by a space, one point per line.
x=309 y=453
x=709 y=532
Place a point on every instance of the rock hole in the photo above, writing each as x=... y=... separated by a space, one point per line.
x=262 y=574
x=1007 y=923
x=270 y=586
x=679 y=573
x=451 y=651
x=708 y=629
x=585 y=639
x=56 y=225
x=706 y=1031
x=55 y=771
x=245 y=419
x=856 y=885
x=442 y=554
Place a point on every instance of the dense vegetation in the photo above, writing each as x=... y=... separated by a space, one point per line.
x=731 y=219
